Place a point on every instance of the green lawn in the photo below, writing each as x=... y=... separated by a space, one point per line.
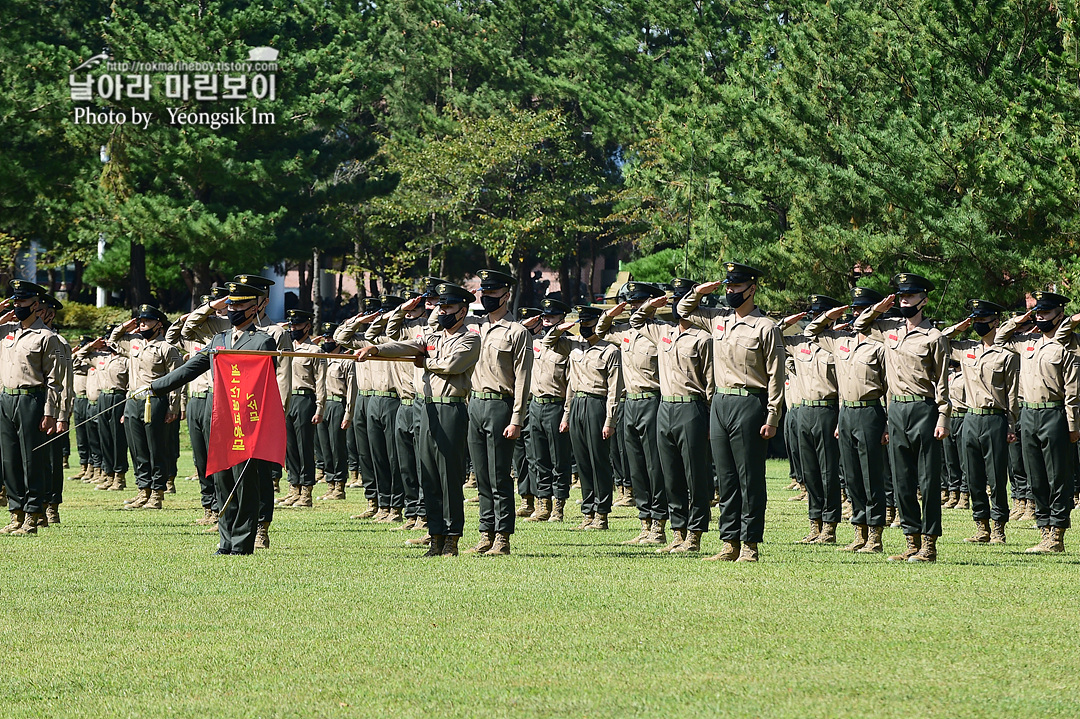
x=128 y=614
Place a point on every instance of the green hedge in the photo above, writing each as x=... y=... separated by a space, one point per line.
x=90 y=318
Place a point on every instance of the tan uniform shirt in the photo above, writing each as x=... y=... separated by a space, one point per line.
x=956 y=391
x=32 y=358
x=110 y=372
x=991 y=375
x=384 y=376
x=67 y=394
x=395 y=328
x=814 y=368
x=594 y=369
x=748 y=352
x=859 y=361
x=148 y=360
x=506 y=360
x=341 y=382
x=640 y=366
x=91 y=386
x=401 y=328
x=367 y=375
x=684 y=357
x=915 y=360
x=1048 y=368
x=80 y=367
x=448 y=364
x=551 y=371
x=309 y=373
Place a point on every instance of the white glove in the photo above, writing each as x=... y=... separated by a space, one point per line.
x=142 y=393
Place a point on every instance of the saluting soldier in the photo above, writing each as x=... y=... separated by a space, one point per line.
x=448 y=354
x=107 y=386
x=531 y=505
x=307 y=402
x=1049 y=412
x=345 y=335
x=240 y=528
x=641 y=381
x=382 y=410
x=861 y=425
x=686 y=385
x=589 y=413
x=333 y=431
x=819 y=412
x=56 y=470
x=80 y=367
x=31 y=406
x=748 y=364
x=916 y=366
x=142 y=340
x=94 y=472
x=955 y=493
x=991 y=390
x=497 y=408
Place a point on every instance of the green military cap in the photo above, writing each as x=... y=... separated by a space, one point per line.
x=451 y=294
x=389 y=302
x=299 y=317
x=821 y=303
x=51 y=302
x=431 y=285
x=1048 y=300
x=983 y=308
x=218 y=292
x=327 y=329
x=149 y=312
x=588 y=313
x=24 y=289
x=681 y=286
x=637 y=291
x=554 y=307
x=865 y=297
x=255 y=281
x=370 y=304
x=906 y=283
x=240 y=292
x=494 y=279
x=204 y=300
x=737 y=273
x=527 y=313
x=86 y=339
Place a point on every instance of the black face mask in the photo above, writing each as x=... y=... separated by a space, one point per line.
x=297 y=335
x=735 y=299
x=982 y=328
x=328 y=347
x=147 y=334
x=675 y=300
x=587 y=331
x=490 y=304
x=447 y=321
x=23 y=313
x=1046 y=325
x=238 y=317
x=909 y=312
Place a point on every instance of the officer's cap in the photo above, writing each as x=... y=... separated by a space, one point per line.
x=638 y=291
x=299 y=317
x=431 y=287
x=204 y=300
x=450 y=294
x=255 y=281
x=983 y=308
x=588 y=313
x=327 y=329
x=149 y=312
x=821 y=303
x=909 y=284
x=527 y=313
x=738 y=273
x=370 y=304
x=389 y=302
x=681 y=286
x=25 y=289
x=240 y=292
x=51 y=302
x=494 y=279
x=86 y=339
x=218 y=292
x=554 y=307
x=865 y=297
x=1048 y=300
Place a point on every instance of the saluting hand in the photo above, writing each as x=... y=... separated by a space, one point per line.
x=837 y=312
x=531 y=322
x=966 y=324
x=792 y=319
x=885 y=305
x=565 y=326
x=412 y=304
x=8 y=317
x=617 y=309
x=657 y=302
x=219 y=304
x=708 y=288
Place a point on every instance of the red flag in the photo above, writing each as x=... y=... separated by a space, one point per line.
x=248 y=420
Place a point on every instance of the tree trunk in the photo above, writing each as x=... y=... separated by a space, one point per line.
x=316 y=285
x=139 y=286
x=304 y=299
x=564 y=280
x=76 y=287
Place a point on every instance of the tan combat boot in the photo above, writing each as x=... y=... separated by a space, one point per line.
x=692 y=543
x=678 y=537
x=340 y=493
x=954 y=499
x=140 y=499
x=381 y=515
x=331 y=489
x=657 y=535
x=30 y=524
x=52 y=514
x=729 y=552
x=749 y=552
x=1016 y=511
x=599 y=523
x=997 y=532
x=846 y=511
x=1057 y=539
x=204 y=520
x=586 y=521
x=914 y=544
x=170 y=485
x=436 y=544
x=487 y=540
x=928 y=551
x=420 y=524
x=262 y=536
x=424 y=541
x=155 y=500
x=83 y=469
x=542 y=513
x=371 y=511
x=305 y=498
x=354 y=479
x=101 y=477
x=528 y=506
x=393 y=516
x=288 y=499
x=896 y=519
x=873 y=542
x=320 y=476
x=500 y=546
x=1029 y=511
x=277 y=485
x=982 y=533
x=17 y=519
x=944 y=497
x=815 y=530
x=557 y=508
x=106 y=483
x=119 y=483
x=828 y=534
x=1040 y=548
x=449 y=547
x=646 y=525
x=793 y=486
x=715 y=501
x=963 y=503
x=800 y=497
x=890 y=515
x=627 y=498
x=862 y=533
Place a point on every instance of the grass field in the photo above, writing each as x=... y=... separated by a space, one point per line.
x=128 y=614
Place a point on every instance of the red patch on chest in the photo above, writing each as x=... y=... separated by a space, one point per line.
x=894 y=338
x=666 y=340
x=971 y=355
x=626 y=340
x=429 y=348
x=10 y=337
x=220 y=347
x=844 y=349
x=720 y=327
x=1030 y=349
x=805 y=351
